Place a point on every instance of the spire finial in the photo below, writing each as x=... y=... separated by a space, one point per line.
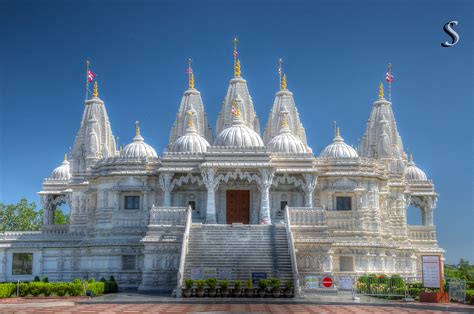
x=236 y=60
x=381 y=95
x=280 y=70
x=95 y=93
x=137 y=128
x=65 y=156
x=411 y=157
x=237 y=71
x=190 y=74
x=283 y=82
x=338 y=132
x=334 y=125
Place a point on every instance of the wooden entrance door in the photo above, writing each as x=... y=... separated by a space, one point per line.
x=238 y=206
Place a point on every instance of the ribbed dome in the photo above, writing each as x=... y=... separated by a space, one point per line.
x=62 y=172
x=138 y=149
x=413 y=173
x=285 y=141
x=238 y=134
x=338 y=149
x=190 y=142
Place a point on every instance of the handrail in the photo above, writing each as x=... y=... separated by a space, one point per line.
x=184 y=251
x=291 y=246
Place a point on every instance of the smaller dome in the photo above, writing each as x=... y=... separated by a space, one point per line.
x=413 y=173
x=338 y=149
x=62 y=172
x=190 y=142
x=286 y=142
x=138 y=149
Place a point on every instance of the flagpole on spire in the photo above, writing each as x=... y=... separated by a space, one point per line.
x=235 y=51
x=280 y=70
x=190 y=74
x=389 y=79
x=87 y=78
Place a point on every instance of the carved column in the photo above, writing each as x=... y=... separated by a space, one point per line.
x=165 y=184
x=46 y=205
x=211 y=183
x=310 y=184
x=266 y=179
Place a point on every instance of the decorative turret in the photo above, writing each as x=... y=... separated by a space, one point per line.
x=138 y=149
x=191 y=98
x=285 y=142
x=413 y=173
x=237 y=85
x=381 y=138
x=284 y=99
x=191 y=141
x=61 y=173
x=338 y=149
x=94 y=140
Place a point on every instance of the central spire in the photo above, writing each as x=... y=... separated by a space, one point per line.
x=381 y=94
x=236 y=114
x=237 y=70
x=190 y=74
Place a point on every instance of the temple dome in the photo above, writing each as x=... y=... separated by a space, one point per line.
x=191 y=142
x=285 y=141
x=138 y=149
x=413 y=173
x=338 y=149
x=238 y=134
x=62 y=172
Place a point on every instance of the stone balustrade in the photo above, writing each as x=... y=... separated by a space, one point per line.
x=168 y=216
x=420 y=234
x=304 y=216
x=344 y=220
x=55 y=229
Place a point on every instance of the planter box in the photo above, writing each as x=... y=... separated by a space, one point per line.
x=434 y=297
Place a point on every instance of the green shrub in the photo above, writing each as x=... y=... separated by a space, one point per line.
x=189 y=283
x=112 y=286
x=263 y=283
x=212 y=283
x=47 y=289
x=200 y=284
x=24 y=289
x=363 y=279
x=397 y=281
x=470 y=285
x=224 y=284
x=7 y=290
x=112 y=278
x=237 y=284
x=45 y=279
x=275 y=283
x=37 y=279
x=414 y=292
x=288 y=285
x=92 y=280
x=36 y=288
x=75 y=288
x=469 y=296
x=249 y=284
x=59 y=288
x=96 y=287
x=382 y=279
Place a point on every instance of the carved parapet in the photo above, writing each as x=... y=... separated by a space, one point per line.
x=55 y=229
x=168 y=216
x=304 y=216
x=422 y=235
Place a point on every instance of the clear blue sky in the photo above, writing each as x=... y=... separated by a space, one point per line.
x=335 y=55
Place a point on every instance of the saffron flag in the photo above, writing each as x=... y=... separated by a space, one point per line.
x=90 y=76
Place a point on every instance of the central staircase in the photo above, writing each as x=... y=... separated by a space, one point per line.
x=239 y=250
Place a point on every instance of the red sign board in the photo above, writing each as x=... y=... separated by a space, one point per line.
x=327 y=282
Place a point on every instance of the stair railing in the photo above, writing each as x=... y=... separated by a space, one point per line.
x=291 y=246
x=184 y=252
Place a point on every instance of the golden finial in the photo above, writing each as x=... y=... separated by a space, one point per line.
x=237 y=68
x=284 y=121
x=381 y=96
x=96 y=90
x=190 y=118
x=338 y=132
x=283 y=82
x=65 y=156
x=190 y=74
x=411 y=157
x=137 y=128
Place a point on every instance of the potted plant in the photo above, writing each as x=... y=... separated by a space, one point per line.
x=224 y=284
x=288 y=289
x=189 y=288
x=262 y=284
x=249 y=288
x=275 y=283
x=429 y=295
x=237 y=288
x=200 y=287
x=212 y=284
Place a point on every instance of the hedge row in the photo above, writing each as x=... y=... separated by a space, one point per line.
x=74 y=288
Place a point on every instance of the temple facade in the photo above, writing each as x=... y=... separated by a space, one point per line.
x=133 y=213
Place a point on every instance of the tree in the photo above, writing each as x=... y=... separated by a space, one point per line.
x=60 y=218
x=20 y=217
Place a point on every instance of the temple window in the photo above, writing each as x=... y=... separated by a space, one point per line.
x=132 y=202
x=22 y=264
x=129 y=262
x=346 y=263
x=343 y=203
x=192 y=204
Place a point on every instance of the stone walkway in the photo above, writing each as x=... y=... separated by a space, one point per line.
x=208 y=308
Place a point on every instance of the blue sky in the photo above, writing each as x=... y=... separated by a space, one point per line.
x=335 y=55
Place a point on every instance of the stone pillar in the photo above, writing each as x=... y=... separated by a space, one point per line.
x=211 y=183
x=266 y=178
x=46 y=205
x=428 y=221
x=308 y=188
x=165 y=184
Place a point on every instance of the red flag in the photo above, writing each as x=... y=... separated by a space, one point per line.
x=235 y=54
x=190 y=70
x=90 y=76
x=389 y=77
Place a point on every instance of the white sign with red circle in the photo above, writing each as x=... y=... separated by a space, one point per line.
x=327 y=282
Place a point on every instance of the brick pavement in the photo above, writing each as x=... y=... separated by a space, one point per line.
x=219 y=308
